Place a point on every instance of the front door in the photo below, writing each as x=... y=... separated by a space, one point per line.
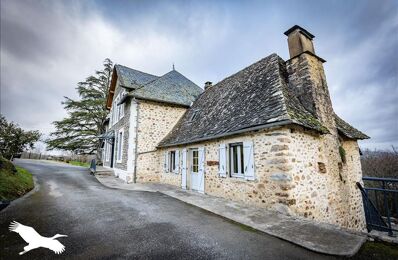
x=197 y=169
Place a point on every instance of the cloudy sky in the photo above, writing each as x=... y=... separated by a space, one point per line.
x=48 y=46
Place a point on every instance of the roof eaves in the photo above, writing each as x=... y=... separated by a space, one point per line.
x=243 y=130
x=158 y=100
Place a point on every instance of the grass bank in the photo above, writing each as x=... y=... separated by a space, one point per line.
x=77 y=163
x=14 y=181
x=377 y=251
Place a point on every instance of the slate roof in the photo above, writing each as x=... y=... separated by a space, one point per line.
x=131 y=78
x=346 y=129
x=172 y=87
x=254 y=98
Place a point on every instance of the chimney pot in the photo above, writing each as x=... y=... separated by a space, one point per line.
x=208 y=84
x=299 y=41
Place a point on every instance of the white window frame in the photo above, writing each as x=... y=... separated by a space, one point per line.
x=108 y=151
x=114 y=120
x=105 y=151
x=119 y=145
x=172 y=161
x=118 y=110
x=240 y=155
x=122 y=105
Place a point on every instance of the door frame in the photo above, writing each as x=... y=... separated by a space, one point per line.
x=184 y=168
x=200 y=178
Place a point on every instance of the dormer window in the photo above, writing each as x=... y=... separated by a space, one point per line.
x=193 y=116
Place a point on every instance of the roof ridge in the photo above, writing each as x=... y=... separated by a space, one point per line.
x=170 y=72
x=120 y=65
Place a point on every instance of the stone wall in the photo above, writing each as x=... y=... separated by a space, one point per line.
x=293 y=176
x=351 y=174
x=324 y=189
x=335 y=199
x=155 y=121
x=270 y=167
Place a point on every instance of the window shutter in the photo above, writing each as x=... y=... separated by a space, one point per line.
x=177 y=162
x=248 y=160
x=166 y=162
x=222 y=155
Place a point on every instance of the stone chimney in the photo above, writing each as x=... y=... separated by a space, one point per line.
x=208 y=84
x=307 y=77
x=299 y=41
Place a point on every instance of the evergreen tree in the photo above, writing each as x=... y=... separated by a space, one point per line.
x=79 y=131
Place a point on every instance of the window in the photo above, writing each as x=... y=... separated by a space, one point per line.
x=118 y=108
x=172 y=163
x=122 y=94
x=107 y=151
x=103 y=151
x=236 y=159
x=114 y=110
x=195 y=161
x=104 y=157
x=193 y=116
x=115 y=147
x=119 y=146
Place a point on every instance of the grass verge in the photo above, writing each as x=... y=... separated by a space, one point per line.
x=77 y=163
x=377 y=250
x=14 y=182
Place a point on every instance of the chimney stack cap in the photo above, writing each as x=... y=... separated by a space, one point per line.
x=208 y=84
x=302 y=30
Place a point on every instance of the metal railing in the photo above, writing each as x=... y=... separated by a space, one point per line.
x=380 y=199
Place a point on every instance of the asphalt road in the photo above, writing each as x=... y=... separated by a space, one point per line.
x=105 y=223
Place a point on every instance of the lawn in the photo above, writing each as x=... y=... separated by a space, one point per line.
x=14 y=181
x=77 y=163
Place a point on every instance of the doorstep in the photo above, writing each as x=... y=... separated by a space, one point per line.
x=321 y=238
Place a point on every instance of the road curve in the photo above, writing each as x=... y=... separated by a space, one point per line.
x=105 y=223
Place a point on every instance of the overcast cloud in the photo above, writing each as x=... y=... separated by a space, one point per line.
x=49 y=46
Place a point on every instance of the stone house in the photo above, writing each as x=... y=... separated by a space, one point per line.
x=266 y=136
x=143 y=109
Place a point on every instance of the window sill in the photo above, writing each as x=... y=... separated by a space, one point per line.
x=240 y=179
x=237 y=176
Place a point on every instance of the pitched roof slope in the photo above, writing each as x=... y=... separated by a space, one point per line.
x=172 y=87
x=132 y=78
x=347 y=130
x=252 y=97
x=255 y=97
